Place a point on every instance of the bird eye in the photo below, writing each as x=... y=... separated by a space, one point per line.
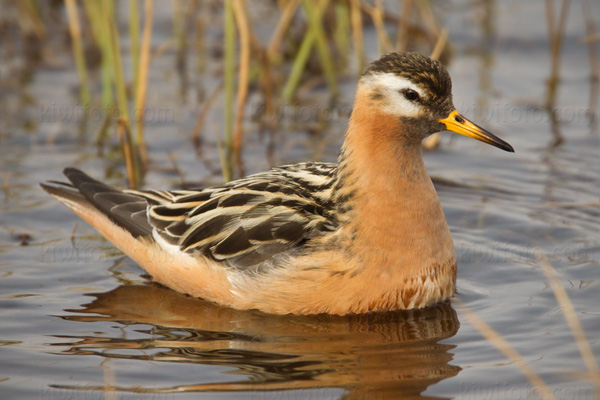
x=410 y=94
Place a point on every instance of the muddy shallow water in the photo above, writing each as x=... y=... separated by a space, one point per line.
x=79 y=320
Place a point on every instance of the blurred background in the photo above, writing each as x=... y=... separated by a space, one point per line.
x=191 y=93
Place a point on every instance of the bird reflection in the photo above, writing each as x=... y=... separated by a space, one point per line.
x=382 y=354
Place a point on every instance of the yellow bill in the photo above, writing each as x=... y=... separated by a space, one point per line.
x=459 y=124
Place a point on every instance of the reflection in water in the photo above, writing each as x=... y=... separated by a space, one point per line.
x=386 y=353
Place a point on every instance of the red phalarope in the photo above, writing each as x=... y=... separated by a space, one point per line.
x=362 y=235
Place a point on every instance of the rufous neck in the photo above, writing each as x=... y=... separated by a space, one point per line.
x=377 y=154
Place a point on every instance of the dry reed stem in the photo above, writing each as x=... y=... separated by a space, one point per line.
x=550 y=18
x=428 y=17
x=505 y=348
x=377 y=14
x=404 y=25
x=127 y=149
x=282 y=25
x=162 y=48
x=142 y=74
x=199 y=41
x=431 y=142
x=6 y=184
x=226 y=164
x=134 y=34
x=267 y=85
x=594 y=63
x=177 y=170
x=555 y=34
x=591 y=38
x=571 y=317
x=357 y=34
x=440 y=44
x=72 y=237
x=103 y=131
x=239 y=11
x=75 y=31
x=180 y=15
x=200 y=121
x=35 y=23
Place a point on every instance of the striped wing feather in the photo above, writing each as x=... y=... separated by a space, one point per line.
x=249 y=223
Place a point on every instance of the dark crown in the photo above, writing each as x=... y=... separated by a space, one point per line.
x=428 y=73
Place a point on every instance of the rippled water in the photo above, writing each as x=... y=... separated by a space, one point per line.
x=79 y=320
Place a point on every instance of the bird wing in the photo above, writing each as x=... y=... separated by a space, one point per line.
x=248 y=223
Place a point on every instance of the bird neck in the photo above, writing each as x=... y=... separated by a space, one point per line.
x=386 y=200
x=378 y=163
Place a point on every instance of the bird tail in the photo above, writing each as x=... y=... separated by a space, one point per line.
x=95 y=201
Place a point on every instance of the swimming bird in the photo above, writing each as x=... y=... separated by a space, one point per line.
x=365 y=234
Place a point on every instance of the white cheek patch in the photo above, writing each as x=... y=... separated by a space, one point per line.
x=393 y=101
